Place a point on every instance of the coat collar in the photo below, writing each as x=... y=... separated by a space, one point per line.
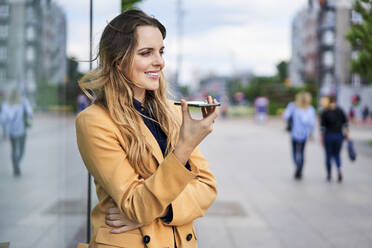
x=150 y=139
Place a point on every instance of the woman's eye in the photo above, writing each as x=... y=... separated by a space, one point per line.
x=145 y=53
x=162 y=52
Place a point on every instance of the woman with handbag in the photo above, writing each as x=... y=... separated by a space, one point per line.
x=15 y=116
x=334 y=128
x=152 y=180
x=300 y=116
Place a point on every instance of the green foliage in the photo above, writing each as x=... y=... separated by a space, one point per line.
x=233 y=86
x=272 y=87
x=360 y=38
x=65 y=94
x=282 y=69
x=127 y=4
x=46 y=95
x=184 y=90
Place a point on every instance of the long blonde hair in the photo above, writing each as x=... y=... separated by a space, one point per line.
x=303 y=100
x=14 y=97
x=112 y=88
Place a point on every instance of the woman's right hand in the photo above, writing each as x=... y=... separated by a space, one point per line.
x=115 y=219
x=193 y=131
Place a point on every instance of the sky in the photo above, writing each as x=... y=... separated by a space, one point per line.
x=220 y=37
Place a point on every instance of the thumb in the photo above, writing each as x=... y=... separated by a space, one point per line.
x=185 y=110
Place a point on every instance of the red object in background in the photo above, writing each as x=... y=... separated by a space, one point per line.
x=239 y=96
x=322 y=2
x=355 y=100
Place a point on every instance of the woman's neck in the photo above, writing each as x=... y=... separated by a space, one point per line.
x=139 y=95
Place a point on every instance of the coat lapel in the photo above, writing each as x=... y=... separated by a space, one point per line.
x=150 y=139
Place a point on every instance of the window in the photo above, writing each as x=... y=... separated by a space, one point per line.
x=327 y=79
x=328 y=59
x=2 y=74
x=329 y=19
x=3 y=32
x=30 y=75
x=30 y=14
x=328 y=38
x=3 y=53
x=30 y=35
x=4 y=11
x=30 y=54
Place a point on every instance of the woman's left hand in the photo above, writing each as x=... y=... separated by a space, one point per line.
x=121 y=224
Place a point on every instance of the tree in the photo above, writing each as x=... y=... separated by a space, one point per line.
x=127 y=4
x=360 y=38
x=282 y=68
x=184 y=90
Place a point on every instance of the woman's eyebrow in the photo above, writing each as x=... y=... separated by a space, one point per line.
x=149 y=48
x=145 y=48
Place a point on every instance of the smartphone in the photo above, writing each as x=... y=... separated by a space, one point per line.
x=198 y=104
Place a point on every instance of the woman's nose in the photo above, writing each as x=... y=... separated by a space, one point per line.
x=158 y=60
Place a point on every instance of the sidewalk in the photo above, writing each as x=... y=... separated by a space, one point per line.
x=45 y=207
x=259 y=204
x=254 y=171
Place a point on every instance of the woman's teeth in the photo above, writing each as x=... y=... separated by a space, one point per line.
x=152 y=74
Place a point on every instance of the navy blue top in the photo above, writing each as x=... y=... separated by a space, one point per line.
x=161 y=138
x=155 y=128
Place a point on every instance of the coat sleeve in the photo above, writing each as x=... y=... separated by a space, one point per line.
x=141 y=200
x=198 y=195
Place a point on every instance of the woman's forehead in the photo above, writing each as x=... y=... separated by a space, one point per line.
x=149 y=36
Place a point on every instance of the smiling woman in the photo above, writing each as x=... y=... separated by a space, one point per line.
x=152 y=180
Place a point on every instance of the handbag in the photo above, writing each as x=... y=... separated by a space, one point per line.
x=289 y=124
x=351 y=150
x=27 y=120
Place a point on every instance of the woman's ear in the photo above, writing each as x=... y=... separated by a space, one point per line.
x=118 y=67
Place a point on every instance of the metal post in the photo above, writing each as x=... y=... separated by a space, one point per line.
x=180 y=14
x=90 y=68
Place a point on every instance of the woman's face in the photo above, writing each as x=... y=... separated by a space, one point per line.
x=148 y=61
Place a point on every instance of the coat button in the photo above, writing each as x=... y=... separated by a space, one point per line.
x=189 y=237
x=146 y=239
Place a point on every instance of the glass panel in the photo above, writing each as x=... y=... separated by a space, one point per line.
x=43 y=182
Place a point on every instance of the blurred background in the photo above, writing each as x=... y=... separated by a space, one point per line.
x=253 y=56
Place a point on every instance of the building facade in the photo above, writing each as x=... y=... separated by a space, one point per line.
x=320 y=51
x=32 y=44
x=302 y=66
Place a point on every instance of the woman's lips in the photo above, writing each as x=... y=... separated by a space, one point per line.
x=153 y=75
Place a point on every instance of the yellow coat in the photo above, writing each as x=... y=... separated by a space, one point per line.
x=145 y=199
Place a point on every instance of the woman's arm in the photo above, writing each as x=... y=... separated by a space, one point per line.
x=139 y=200
x=198 y=195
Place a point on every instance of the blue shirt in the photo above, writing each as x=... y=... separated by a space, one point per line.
x=161 y=138
x=13 y=117
x=303 y=121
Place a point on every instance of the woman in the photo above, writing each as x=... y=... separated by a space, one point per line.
x=334 y=128
x=141 y=149
x=302 y=116
x=14 y=116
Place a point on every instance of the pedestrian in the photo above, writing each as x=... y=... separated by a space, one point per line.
x=14 y=117
x=3 y=124
x=261 y=108
x=301 y=116
x=334 y=128
x=351 y=114
x=82 y=102
x=365 y=113
x=143 y=151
